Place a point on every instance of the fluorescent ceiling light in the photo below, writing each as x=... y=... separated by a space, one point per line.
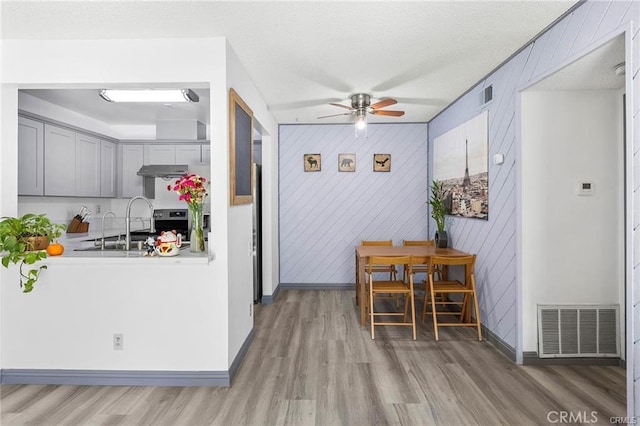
x=149 y=95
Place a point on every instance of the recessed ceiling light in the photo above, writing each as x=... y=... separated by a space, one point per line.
x=149 y=95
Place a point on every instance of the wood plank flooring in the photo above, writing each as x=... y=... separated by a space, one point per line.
x=312 y=364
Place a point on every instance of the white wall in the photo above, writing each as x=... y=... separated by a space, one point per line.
x=82 y=63
x=573 y=246
x=240 y=217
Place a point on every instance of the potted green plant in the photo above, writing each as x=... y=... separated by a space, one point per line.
x=23 y=240
x=438 y=213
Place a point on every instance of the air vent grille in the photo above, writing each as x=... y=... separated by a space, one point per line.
x=578 y=331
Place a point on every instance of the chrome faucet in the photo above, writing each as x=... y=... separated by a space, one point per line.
x=103 y=217
x=127 y=220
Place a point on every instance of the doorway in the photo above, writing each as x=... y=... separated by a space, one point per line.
x=573 y=245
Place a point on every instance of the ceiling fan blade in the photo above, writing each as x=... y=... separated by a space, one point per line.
x=335 y=115
x=384 y=103
x=340 y=105
x=391 y=113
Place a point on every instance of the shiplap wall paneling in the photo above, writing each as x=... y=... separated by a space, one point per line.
x=495 y=240
x=323 y=215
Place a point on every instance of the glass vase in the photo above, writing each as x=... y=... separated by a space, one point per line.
x=197 y=229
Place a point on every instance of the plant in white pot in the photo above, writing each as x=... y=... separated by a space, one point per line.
x=438 y=213
x=23 y=240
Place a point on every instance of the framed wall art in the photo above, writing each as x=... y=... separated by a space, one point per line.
x=312 y=162
x=346 y=162
x=460 y=163
x=240 y=150
x=381 y=162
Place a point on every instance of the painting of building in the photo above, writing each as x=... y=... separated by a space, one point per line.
x=460 y=163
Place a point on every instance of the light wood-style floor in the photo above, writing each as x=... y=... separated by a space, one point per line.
x=312 y=364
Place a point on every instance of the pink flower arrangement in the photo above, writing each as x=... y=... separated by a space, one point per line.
x=192 y=189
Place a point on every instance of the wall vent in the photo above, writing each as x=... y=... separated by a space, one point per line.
x=487 y=94
x=578 y=331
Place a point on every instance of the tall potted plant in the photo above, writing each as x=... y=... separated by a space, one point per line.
x=23 y=240
x=438 y=213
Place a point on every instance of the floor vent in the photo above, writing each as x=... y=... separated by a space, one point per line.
x=578 y=331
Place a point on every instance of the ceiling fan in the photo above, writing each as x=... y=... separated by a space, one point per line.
x=361 y=106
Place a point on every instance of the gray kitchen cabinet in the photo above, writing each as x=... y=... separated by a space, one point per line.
x=59 y=160
x=30 y=157
x=184 y=153
x=159 y=154
x=188 y=154
x=131 y=158
x=87 y=155
x=108 y=169
x=206 y=154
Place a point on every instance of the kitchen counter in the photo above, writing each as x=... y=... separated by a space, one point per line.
x=75 y=243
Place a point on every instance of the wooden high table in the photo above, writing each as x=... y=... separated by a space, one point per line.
x=363 y=253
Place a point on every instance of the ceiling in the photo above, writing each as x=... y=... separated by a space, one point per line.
x=304 y=54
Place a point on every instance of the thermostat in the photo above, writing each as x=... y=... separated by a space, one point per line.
x=498 y=159
x=585 y=188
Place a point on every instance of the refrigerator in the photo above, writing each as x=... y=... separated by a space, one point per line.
x=257 y=233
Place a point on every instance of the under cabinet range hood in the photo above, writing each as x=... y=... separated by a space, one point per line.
x=166 y=171
x=163 y=170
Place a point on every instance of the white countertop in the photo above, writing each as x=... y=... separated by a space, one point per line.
x=75 y=241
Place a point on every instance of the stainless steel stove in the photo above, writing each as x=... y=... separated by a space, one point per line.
x=173 y=220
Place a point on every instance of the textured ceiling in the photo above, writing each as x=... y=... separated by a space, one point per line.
x=304 y=54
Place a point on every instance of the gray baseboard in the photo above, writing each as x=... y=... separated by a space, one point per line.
x=317 y=286
x=498 y=343
x=268 y=299
x=114 y=377
x=531 y=358
x=127 y=377
x=235 y=365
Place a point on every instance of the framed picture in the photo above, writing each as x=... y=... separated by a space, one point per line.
x=240 y=150
x=460 y=164
x=381 y=162
x=346 y=162
x=312 y=162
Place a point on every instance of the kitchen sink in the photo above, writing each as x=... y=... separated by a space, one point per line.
x=120 y=247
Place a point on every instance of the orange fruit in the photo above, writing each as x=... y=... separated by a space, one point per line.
x=55 y=249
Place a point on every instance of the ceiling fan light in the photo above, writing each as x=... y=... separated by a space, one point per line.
x=149 y=95
x=361 y=122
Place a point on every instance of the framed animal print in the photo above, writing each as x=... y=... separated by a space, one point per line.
x=381 y=162
x=312 y=162
x=346 y=162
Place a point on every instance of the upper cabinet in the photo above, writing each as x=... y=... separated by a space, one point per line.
x=108 y=169
x=73 y=164
x=88 y=166
x=185 y=153
x=159 y=154
x=30 y=157
x=188 y=154
x=131 y=158
x=206 y=154
x=59 y=157
x=56 y=160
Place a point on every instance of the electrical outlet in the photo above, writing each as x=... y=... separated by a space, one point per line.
x=118 y=342
x=98 y=209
